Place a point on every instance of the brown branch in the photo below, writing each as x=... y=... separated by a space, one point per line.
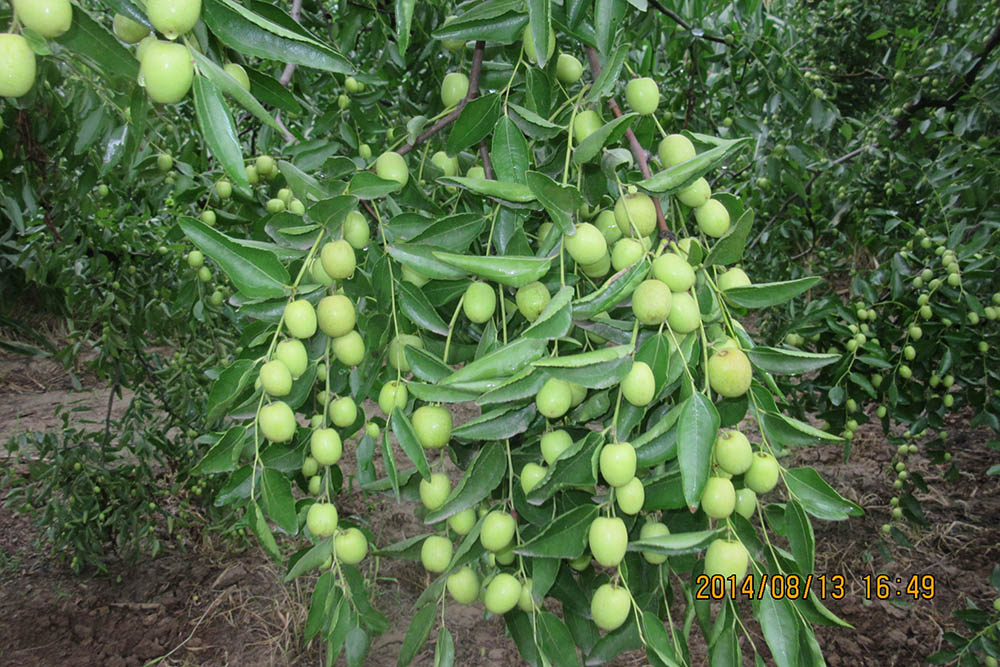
x=484 y=154
x=906 y=119
x=675 y=17
x=286 y=76
x=477 y=68
x=637 y=150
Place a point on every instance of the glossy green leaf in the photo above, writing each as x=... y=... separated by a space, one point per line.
x=92 y=40
x=444 y=650
x=616 y=289
x=228 y=387
x=556 y=319
x=800 y=536
x=500 y=21
x=729 y=249
x=539 y=23
x=453 y=233
x=423 y=258
x=510 y=270
x=781 y=629
x=219 y=130
x=674 y=179
x=256 y=273
x=231 y=87
x=504 y=361
x=497 y=425
x=792 y=432
x=784 y=361
x=474 y=123
x=556 y=641
x=366 y=185
x=608 y=133
x=224 y=454
x=610 y=73
x=404 y=18
x=697 y=428
x=322 y=592
x=566 y=537
x=676 y=544
x=763 y=295
x=417 y=634
x=418 y=309
x=311 y=560
x=817 y=497
x=509 y=151
x=517 y=193
x=560 y=201
x=276 y=491
x=483 y=475
x=409 y=442
x=260 y=528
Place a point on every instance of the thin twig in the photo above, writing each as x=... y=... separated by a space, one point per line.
x=675 y=17
x=286 y=76
x=637 y=150
x=484 y=154
x=477 y=68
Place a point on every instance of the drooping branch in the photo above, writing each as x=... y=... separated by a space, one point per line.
x=477 y=68
x=676 y=18
x=906 y=119
x=638 y=152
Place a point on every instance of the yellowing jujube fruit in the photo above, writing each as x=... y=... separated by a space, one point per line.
x=325 y=446
x=293 y=354
x=685 y=316
x=587 y=245
x=167 y=71
x=277 y=422
x=237 y=72
x=585 y=124
x=433 y=426
x=608 y=539
x=649 y=530
x=49 y=18
x=639 y=385
x=351 y=546
x=454 y=88
x=392 y=167
x=732 y=452
x=435 y=553
x=636 y=215
x=726 y=559
x=696 y=194
x=554 y=443
x=734 y=277
x=762 y=476
x=17 y=66
x=568 y=69
x=531 y=300
x=502 y=593
x=463 y=586
x=531 y=475
x=321 y=519
x=631 y=496
x=336 y=315
x=338 y=259
x=642 y=95
x=554 y=398
x=618 y=461
x=497 y=530
x=349 y=348
x=675 y=271
x=651 y=302
x=718 y=498
x=129 y=31
x=713 y=218
x=610 y=607
x=173 y=18
x=435 y=491
x=479 y=303
x=392 y=396
x=275 y=378
x=300 y=318
x=674 y=149
x=729 y=372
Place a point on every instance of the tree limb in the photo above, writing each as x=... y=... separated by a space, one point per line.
x=286 y=76
x=676 y=18
x=484 y=154
x=477 y=68
x=637 y=150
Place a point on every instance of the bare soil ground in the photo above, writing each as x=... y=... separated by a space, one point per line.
x=212 y=600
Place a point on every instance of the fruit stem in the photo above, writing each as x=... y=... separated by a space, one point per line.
x=451 y=328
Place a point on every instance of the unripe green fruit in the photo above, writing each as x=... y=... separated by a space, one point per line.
x=463 y=586
x=300 y=318
x=352 y=85
x=392 y=167
x=293 y=354
x=49 y=18
x=463 y=522
x=599 y=268
x=195 y=259
x=608 y=539
x=585 y=124
x=881 y=412
x=127 y=30
x=343 y=411
x=734 y=277
x=277 y=422
x=554 y=398
x=349 y=348
x=625 y=253
x=321 y=519
x=365 y=151
x=224 y=189
x=531 y=300
x=454 y=88
x=729 y=372
x=746 y=503
x=763 y=473
x=284 y=194
x=568 y=69
x=580 y=563
x=309 y=467
x=642 y=95
x=433 y=426
x=343 y=101
x=713 y=218
x=275 y=206
x=237 y=72
x=733 y=452
x=631 y=496
x=208 y=217
x=607 y=223
x=356 y=231
x=726 y=559
x=173 y=18
x=448 y=165
x=610 y=607
x=718 y=499
x=651 y=302
x=674 y=149
x=652 y=529
x=497 y=530
x=335 y=315
x=636 y=215
x=674 y=271
x=351 y=546
x=325 y=446
x=397 y=351
x=502 y=593
x=167 y=71
x=587 y=245
x=338 y=259
x=617 y=463
x=392 y=396
x=528 y=41
x=204 y=275
x=480 y=302
x=685 y=316
x=476 y=172
x=554 y=443
x=435 y=553
x=531 y=475
x=435 y=491
x=696 y=194
x=275 y=378
x=639 y=385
